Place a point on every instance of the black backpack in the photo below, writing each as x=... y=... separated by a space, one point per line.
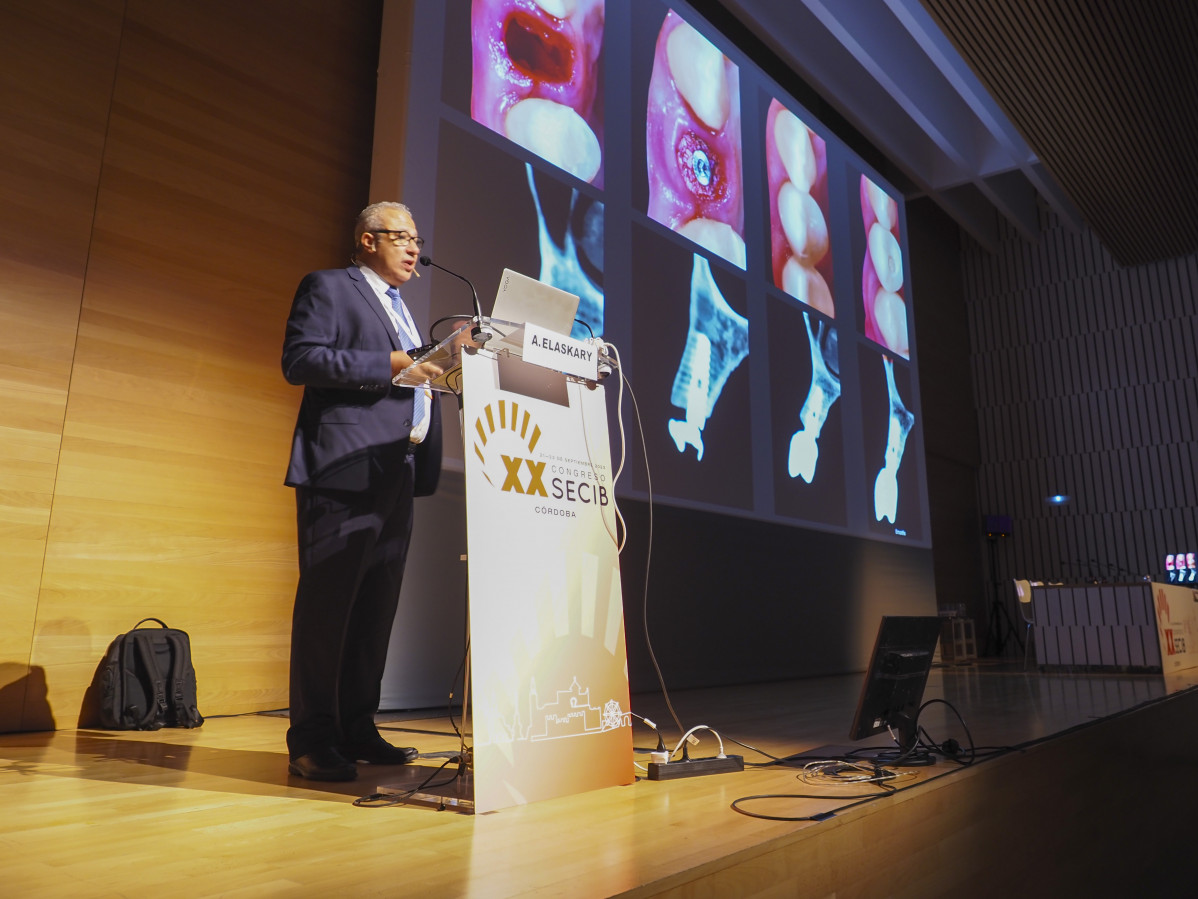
x=148 y=681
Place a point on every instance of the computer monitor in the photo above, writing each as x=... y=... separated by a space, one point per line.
x=894 y=684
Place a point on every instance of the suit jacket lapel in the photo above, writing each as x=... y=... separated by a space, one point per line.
x=371 y=299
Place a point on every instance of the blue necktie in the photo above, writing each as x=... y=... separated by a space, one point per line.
x=411 y=337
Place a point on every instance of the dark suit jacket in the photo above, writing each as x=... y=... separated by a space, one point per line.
x=353 y=425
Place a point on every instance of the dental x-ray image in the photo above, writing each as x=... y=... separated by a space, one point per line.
x=716 y=342
x=548 y=230
x=805 y=417
x=824 y=391
x=689 y=343
x=901 y=420
x=693 y=141
x=561 y=265
x=538 y=78
x=796 y=161
x=886 y=424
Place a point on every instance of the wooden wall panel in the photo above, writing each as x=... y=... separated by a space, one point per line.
x=56 y=83
x=237 y=154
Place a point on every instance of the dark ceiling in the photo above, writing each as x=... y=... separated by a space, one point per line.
x=994 y=108
x=1104 y=94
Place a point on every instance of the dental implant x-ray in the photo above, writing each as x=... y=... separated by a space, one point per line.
x=901 y=422
x=717 y=340
x=824 y=391
x=560 y=265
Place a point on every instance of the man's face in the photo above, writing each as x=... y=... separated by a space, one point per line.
x=382 y=251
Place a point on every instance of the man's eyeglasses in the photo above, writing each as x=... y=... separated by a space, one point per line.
x=401 y=238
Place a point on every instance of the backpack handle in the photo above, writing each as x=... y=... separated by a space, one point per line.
x=144 y=620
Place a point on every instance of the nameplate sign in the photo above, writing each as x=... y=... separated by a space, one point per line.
x=561 y=353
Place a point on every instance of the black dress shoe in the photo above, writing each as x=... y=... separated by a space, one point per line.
x=378 y=752
x=323 y=764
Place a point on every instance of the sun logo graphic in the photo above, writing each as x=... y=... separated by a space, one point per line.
x=506 y=434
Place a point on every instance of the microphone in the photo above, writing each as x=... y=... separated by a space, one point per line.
x=481 y=332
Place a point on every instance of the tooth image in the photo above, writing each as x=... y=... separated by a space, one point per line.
x=808 y=285
x=884 y=207
x=890 y=312
x=824 y=391
x=794 y=147
x=557 y=134
x=803 y=223
x=697 y=67
x=887 y=257
x=901 y=422
x=558 y=8
x=717 y=237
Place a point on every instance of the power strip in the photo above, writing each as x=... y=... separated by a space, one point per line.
x=695 y=767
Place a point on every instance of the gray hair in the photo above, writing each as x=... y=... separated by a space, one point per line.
x=371 y=218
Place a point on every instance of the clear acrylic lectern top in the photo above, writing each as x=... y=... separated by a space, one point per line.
x=447 y=355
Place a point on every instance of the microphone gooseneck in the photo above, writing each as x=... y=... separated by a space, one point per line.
x=481 y=332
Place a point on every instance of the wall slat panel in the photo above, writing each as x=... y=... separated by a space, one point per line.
x=1109 y=415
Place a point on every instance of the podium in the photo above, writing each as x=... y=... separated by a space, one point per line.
x=547 y=672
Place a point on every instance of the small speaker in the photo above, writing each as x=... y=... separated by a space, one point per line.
x=997 y=525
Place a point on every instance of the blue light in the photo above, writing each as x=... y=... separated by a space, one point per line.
x=1057 y=499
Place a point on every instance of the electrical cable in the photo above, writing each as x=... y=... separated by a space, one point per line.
x=950 y=749
x=821 y=816
x=446 y=318
x=850 y=769
x=682 y=743
x=773 y=759
x=586 y=441
x=386 y=800
x=648 y=549
x=449 y=705
x=661 y=745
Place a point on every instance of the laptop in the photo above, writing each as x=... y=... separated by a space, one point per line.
x=521 y=300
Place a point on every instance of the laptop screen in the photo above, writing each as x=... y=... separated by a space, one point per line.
x=522 y=300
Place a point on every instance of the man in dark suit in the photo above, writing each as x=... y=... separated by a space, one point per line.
x=362 y=449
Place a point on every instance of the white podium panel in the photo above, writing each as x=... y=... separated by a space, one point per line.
x=549 y=670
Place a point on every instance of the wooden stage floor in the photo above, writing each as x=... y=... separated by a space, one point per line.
x=1097 y=800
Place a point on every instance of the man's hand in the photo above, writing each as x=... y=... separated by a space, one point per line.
x=425 y=371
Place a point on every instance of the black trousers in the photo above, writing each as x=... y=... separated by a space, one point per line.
x=352 y=551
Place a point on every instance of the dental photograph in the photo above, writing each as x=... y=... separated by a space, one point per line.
x=876 y=238
x=536 y=76
x=692 y=180
x=796 y=165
